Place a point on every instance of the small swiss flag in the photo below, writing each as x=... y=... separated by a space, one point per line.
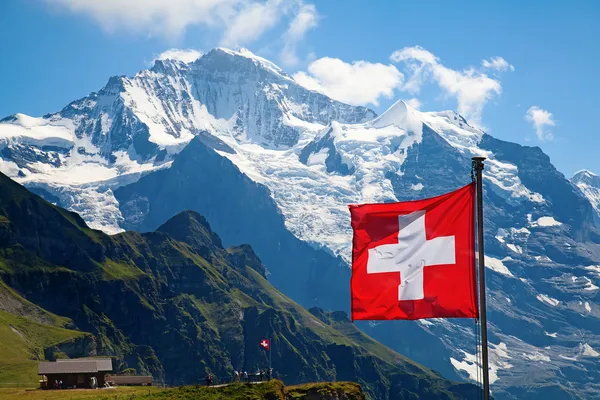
x=415 y=259
x=265 y=344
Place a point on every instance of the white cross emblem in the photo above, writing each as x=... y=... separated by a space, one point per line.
x=264 y=344
x=411 y=255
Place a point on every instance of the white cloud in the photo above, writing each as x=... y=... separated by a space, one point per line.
x=252 y=21
x=240 y=21
x=184 y=55
x=305 y=20
x=497 y=63
x=471 y=88
x=359 y=83
x=414 y=103
x=541 y=120
x=152 y=17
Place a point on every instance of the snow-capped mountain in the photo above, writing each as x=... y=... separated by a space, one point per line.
x=135 y=125
x=273 y=164
x=589 y=184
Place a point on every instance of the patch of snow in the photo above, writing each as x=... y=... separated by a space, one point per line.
x=594 y=268
x=513 y=238
x=587 y=307
x=501 y=235
x=544 y=222
x=568 y=358
x=536 y=357
x=551 y=334
x=588 y=351
x=498 y=356
x=418 y=187
x=516 y=248
x=28 y=130
x=507 y=184
x=547 y=299
x=497 y=265
x=589 y=284
x=318 y=158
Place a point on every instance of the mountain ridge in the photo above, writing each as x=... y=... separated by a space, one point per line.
x=589 y=184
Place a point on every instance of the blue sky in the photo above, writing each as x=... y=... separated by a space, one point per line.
x=546 y=56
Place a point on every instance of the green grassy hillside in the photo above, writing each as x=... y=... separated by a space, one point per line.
x=22 y=344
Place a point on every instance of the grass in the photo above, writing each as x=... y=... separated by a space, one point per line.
x=26 y=308
x=273 y=390
x=120 y=393
x=351 y=390
x=22 y=343
x=123 y=271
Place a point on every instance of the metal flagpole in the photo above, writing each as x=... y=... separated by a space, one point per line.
x=270 y=350
x=478 y=167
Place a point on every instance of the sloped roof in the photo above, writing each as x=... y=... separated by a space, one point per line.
x=71 y=367
x=104 y=364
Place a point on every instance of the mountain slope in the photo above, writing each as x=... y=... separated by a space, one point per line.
x=295 y=268
x=25 y=341
x=589 y=184
x=179 y=309
x=275 y=165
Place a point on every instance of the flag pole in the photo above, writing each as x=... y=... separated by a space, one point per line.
x=478 y=168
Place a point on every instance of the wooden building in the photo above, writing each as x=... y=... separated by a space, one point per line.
x=79 y=373
x=131 y=380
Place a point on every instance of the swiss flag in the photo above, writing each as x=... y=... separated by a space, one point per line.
x=265 y=344
x=415 y=259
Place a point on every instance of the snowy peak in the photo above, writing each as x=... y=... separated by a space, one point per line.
x=400 y=115
x=168 y=66
x=586 y=177
x=241 y=63
x=589 y=184
x=256 y=60
x=140 y=123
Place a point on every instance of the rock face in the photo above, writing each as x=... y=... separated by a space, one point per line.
x=176 y=304
x=75 y=348
x=269 y=163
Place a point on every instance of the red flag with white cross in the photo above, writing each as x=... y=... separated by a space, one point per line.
x=415 y=259
x=265 y=344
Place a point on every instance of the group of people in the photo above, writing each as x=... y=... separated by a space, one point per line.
x=243 y=376
x=261 y=374
x=58 y=384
